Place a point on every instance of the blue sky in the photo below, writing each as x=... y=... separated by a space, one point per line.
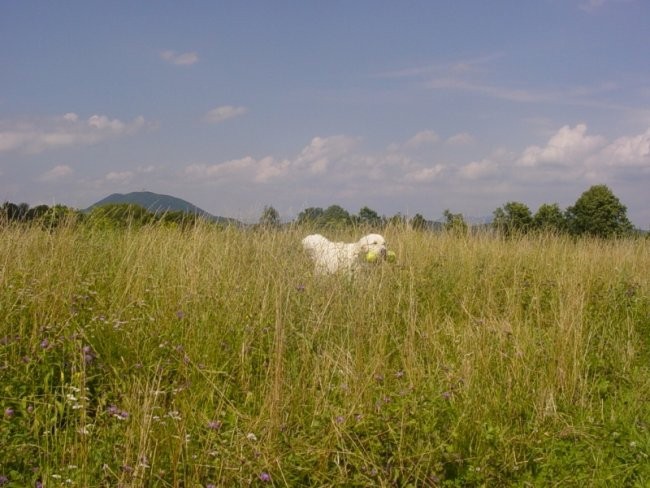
x=410 y=107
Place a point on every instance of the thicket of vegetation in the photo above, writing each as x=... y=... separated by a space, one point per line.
x=161 y=355
x=598 y=212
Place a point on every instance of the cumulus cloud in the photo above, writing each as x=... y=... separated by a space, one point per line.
x=424 y=175
x=66 y=131
x=567 y=146
x=628 y=151
x=244 y=169
x=56 y=173
x=119 y=176
x=422 y=138
x=220 y=170
x=335 y=161
x=341 y=167
x=321 y=151
x=225 y=112
x=460 y=139
x=313 y=159
x=179 y=59
x=478 y=169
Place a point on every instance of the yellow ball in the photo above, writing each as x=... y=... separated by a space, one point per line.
x=391 y=257
x=372 y=257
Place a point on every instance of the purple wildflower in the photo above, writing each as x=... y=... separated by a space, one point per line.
x=39 y=484
x=446 y=395
x=3 y=480
x=210 y=485
x=265 y=477
x=300 y=288
x=180 y=314
x=89 y=354
x=45 y=344
x=214 y=425
x=340 y=419
x=9 y=412
x=117 y=413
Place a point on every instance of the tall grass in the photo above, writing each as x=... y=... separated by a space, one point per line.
x=164 y=357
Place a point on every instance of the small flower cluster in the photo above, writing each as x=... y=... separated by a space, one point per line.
x=118 y=413
x=89 y=354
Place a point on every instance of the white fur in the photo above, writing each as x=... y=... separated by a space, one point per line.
x=330 y=257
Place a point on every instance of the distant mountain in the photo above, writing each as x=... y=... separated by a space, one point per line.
x=157 y=203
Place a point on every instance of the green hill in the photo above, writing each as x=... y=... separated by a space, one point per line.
x=157 y=203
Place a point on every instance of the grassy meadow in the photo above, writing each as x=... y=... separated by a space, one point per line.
x=213 y=357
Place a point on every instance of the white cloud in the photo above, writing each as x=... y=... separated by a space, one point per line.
x=119 y=176
x=244 y=169
x=65 y=131
x=321 y=151
x=227 y=170
x=461 y=139
x=478 y=169
x=424 y=175
x=627 y=151
x=268 y=169
x=180 y=59
x=326 y=162
x=225 y=112
x=422 y=138
x=56 y=173
x=146 y=169
x=568 y=146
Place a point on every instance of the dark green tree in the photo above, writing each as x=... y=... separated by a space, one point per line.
x=59 y=215
x=9 y=212
x=116 y=215
x=418 y=222
x=398 y=220
x=598 y=212
x=549 y=218
x=37 y=212
x=369 y=217
x=336 y=216
x=270 y=217
x=455 y=223
x=512 y=218
x=310 y=216
x=15 y=213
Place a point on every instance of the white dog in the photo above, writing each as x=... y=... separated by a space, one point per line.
x=330 y=257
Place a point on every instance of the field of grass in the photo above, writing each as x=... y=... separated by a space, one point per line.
x=212 y=357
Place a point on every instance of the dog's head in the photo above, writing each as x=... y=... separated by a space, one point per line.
x=372 y=243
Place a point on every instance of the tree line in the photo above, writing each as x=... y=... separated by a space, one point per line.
x=597 y=212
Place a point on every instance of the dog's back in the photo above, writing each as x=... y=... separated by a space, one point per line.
x=329 y=256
